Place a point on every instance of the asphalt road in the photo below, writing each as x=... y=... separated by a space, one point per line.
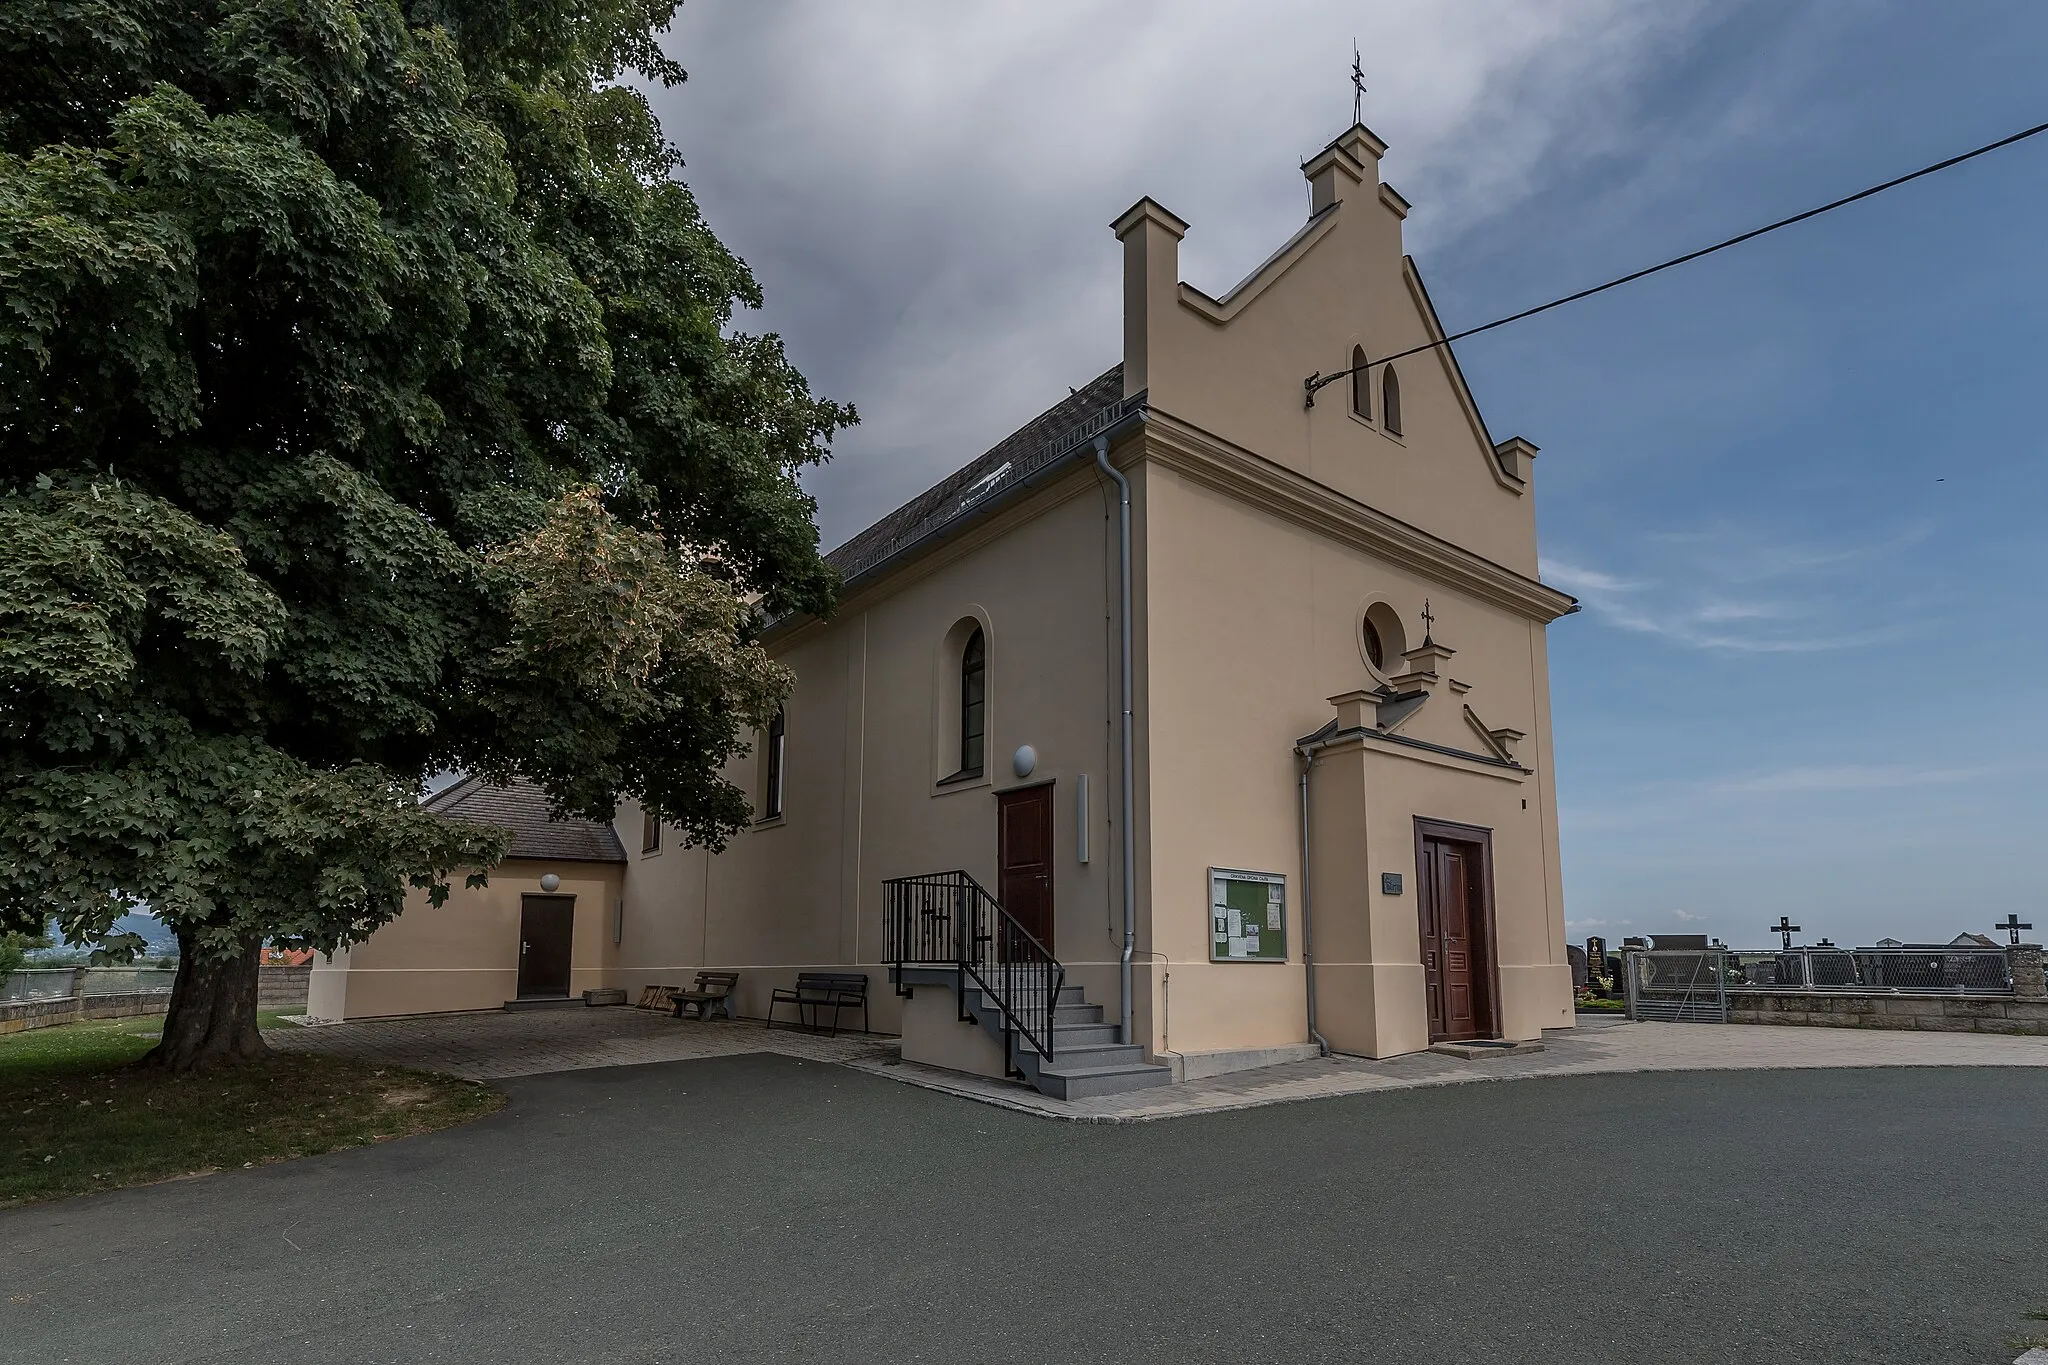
x=760 y=1208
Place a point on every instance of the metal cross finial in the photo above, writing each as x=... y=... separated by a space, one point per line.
x=1428 y=622
x=1786 y=927
x=1357 y=85
x=2011 y=924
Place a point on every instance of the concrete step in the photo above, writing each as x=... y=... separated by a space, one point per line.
x=1090 y=1082
x=1069 y=995
x=1087 y=1059
x=1065 y=1036
x=1076 y=1013
x=1091 y=1055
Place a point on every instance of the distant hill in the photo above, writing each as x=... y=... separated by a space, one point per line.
x=154 y=932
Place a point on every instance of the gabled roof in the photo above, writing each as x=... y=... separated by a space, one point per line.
x=1017 y=456
x=522 y=808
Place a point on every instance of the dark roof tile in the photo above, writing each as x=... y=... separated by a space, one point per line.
x=1021 y=453
x=523 y=809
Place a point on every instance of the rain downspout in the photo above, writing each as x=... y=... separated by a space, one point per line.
x=1307 y=753
x=1125 y=827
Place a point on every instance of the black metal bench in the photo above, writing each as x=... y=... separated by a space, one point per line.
x=711 y=994
x=816 y=992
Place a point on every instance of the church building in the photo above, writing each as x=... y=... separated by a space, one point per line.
x=1201 y=722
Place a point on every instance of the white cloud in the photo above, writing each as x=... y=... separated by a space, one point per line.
x=1692 y=607
x=1852 y=777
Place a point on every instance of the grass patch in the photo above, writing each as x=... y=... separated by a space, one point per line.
x=77 y=1116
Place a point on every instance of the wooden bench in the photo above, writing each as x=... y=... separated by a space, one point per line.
x=711 y=994
x=818 y=991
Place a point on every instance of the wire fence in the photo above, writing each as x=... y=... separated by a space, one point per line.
x=1692 y=984
x=1919 y=971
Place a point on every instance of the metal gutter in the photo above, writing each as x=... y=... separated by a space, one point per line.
x=1130 y=852
x=1306 y=750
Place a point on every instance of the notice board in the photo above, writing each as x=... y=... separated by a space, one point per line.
x=1247 y=916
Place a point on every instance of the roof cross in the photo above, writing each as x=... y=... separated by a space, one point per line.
x=2011 y=924
x=1786 y=927
x=1428 y=622
x=1357 y=85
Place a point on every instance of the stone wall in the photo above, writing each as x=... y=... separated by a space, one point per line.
x=277 y=988
x=283 y=988
x=17 y=1015
x=1936 y=1013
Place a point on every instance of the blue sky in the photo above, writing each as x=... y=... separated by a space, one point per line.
x=1797 y=485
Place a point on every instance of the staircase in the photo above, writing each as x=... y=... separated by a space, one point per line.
x=945 y=930
x=1086 y=1060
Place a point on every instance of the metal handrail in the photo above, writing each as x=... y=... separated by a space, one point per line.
x=947 y=919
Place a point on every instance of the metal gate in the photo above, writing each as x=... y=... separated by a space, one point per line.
x=1688 y=984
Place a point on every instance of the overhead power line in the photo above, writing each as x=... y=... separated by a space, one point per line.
x=1317 y=381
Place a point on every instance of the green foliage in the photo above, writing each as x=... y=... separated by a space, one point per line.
x=14 y=951
x=370 y=406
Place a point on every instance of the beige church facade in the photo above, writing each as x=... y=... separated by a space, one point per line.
x=1315 y=614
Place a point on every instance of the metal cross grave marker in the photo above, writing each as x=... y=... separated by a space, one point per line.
x=1786 y=927
x=2011 y=924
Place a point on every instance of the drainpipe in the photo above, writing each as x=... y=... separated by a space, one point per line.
x=1130 y=848
x=1307 y=753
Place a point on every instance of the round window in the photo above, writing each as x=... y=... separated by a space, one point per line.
x=1381 y=639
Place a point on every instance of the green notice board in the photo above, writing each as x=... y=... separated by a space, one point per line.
x=1247 y=916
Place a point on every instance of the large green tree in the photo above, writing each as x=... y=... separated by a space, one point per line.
x=370 y=406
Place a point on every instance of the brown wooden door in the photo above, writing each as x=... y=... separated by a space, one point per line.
x=546 y=926
x=1457 y=954
x=1024 y=858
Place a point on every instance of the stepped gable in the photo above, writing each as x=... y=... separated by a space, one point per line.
x=522 y=807
x=1023 y=450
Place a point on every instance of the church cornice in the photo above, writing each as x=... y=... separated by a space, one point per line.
x=1216 y=463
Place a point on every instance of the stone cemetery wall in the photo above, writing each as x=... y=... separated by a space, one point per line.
x=1937 y=1013
x=283 y=988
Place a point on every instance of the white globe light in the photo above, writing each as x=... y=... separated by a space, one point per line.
x=550 y=882
x=1024 y=760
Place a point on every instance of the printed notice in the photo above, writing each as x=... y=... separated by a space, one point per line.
x=1247 y=916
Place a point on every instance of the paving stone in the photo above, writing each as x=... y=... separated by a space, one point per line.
x=492 y=1045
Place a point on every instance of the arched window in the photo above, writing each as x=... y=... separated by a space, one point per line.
x=771 y=789
x=973 y=702
x=1390 y=400
x=1361 y=384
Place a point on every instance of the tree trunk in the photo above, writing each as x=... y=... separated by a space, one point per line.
x=213 y=1011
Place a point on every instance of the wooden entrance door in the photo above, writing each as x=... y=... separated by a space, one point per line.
x=546 y=926
x=1454 y=876
x=1024 y=858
